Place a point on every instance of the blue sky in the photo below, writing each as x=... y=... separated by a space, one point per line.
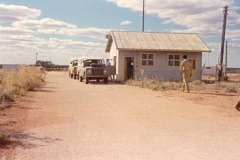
x=61 y=29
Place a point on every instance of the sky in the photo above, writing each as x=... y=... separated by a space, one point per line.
x=57 y=30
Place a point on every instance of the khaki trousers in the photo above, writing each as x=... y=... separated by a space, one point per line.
x=186 y=76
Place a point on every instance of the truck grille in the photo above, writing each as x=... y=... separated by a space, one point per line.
x=97 y=71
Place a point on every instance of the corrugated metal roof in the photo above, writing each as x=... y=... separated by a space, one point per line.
x=184 y=42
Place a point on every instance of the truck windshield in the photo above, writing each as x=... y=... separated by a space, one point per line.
x=75 y=63
x=88 y=62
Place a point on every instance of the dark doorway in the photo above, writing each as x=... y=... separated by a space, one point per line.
x=129 y=68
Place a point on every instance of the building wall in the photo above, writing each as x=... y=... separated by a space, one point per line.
x=114 y=54
x=121 y=62
x=198 y=57
x=160 y=70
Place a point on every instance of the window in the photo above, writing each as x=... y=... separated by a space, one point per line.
x=174 y=60
x=75 y=63
x=147 y=59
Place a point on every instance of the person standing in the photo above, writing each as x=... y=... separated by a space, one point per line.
x=108 y=63
x=186 y=71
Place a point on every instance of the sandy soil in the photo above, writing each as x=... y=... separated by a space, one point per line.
x=68 y=119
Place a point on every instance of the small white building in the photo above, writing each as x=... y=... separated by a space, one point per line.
x=154 y=55
x=213 y=70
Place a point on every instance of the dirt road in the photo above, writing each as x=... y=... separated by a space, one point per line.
x=69 y=120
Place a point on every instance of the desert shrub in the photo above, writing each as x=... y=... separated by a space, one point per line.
x=4 y=138
x=228 y=87
x=164 y=87
x=8 y=82
x=6 y=97
x=4 y=105
x=154 y=84
x=26 y=79
x=29 y=78
x=170 y=86
x=231 y=89
x=198 y=85
x=1 y=75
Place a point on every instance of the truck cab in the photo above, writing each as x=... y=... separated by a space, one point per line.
x=72 y=69
x=92 y=69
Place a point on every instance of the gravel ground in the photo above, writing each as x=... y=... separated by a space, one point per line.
x=69 y=120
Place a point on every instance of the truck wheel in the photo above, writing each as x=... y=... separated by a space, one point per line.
x=105 y=80
x=81 y=78
x=87 y=80
x=75 y=76
x=71 y=75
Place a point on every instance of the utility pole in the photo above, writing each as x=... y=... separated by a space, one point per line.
x=220 y=72
x=143 y=16
x=226 y=57
x=36 y=59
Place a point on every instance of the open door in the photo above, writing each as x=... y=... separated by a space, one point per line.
x=128 y=68
x=193 y=61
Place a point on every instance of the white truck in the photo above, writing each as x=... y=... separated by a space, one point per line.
x=72 y=69
x=92 y=69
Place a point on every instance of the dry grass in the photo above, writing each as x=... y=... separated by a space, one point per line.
x=18 y=83
x=4 y=138
x=154 y=84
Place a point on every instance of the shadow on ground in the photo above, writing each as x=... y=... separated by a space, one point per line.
x=26 y=141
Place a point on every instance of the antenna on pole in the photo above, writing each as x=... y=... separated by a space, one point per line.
x=143 y=16
x=220 y=72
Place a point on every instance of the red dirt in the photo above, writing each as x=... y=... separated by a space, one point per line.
x=67 y=119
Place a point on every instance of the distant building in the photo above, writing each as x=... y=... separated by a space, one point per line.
x=154 y=55
x=212 y=70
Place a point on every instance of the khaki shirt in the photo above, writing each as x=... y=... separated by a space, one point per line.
x=186 y=65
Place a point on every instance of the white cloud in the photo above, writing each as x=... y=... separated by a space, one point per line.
x=202 y=31
x=189 y=13
x=233 y=54
x=95 y=33
x=233 y=35
x=59 y=51
x=126 y=22
x=14 y=31
x=51 y=26
x=20 y=40
x=46 y=23
x=69 y=44
x=11 y=13
x=17 y=42
x=203 y=17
